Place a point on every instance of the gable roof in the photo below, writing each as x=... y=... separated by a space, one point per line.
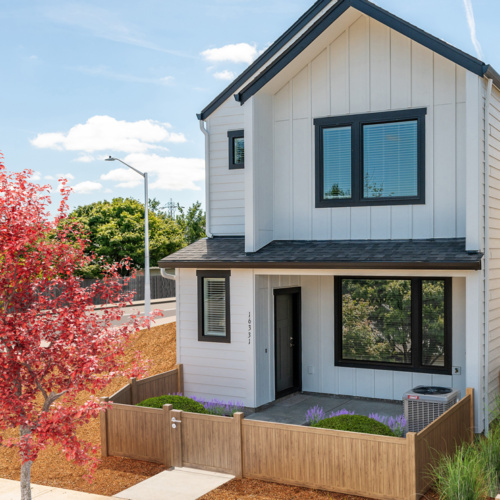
x=331 y=15
x=229 y=253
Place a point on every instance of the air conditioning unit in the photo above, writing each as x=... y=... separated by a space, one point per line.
x=424 y=404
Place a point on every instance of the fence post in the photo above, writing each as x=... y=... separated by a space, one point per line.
x=180 y=379
x=167 y=442
x=238 y=445
x=133 y=391
x=413 y=466
x=175 y=438
x=470 y=392
x=103 y=417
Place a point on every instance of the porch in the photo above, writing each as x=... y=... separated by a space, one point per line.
x=292 y=409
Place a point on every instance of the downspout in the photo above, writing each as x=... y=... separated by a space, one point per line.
x=166 y=275
x=487 y=252
x=207 y=178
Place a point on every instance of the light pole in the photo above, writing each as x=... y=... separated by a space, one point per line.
x=147 y=288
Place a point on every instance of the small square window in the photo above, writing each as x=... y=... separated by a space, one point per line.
x=213 y=306
x=371 y=159
x=236 y=149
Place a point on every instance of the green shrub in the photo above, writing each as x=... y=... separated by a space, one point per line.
x=355 y=423
x=488 y=451
x=178 y=402
x=462 y=476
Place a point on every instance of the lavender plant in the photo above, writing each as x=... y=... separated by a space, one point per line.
x=340 y=412
x=314 y=415
x=218 y=407
x=397 y=425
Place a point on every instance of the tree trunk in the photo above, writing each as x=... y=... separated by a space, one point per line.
x=25 y=470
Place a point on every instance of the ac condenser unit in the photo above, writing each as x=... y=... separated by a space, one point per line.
x=424 y=404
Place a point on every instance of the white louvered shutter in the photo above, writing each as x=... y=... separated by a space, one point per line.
x=214 y=295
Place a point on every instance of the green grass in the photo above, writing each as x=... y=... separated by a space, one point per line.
x=488 y=451
x=355 y=423
x=178 y=402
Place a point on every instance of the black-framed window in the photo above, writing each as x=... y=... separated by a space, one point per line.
x=236 y=149
x=371 y=159
x=393 y=323
x=214 y=316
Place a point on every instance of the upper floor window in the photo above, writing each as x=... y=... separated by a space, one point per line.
x=371 y=159
x=236 y=149
x=213 y=306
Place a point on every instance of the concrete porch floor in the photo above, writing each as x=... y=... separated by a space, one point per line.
x=292 y=409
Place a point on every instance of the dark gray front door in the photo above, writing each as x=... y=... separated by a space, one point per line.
x=284 y=343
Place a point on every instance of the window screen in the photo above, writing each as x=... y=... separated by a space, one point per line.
x=390 y=159
x=433 y=328
x=239 y=150
x=337 y=163
x=214 y=306
x=376 y=320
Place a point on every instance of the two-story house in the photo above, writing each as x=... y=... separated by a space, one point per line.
x=353 y=219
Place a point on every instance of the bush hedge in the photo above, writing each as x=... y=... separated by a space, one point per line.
x=355 y=423
x=178 y=402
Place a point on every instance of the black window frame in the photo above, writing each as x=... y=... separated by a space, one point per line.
x=356 y=123
x=201 y=275
x=234 y=134
x=416 y=327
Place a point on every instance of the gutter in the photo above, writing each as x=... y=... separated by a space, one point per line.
x=207 y=176
x=487 y=249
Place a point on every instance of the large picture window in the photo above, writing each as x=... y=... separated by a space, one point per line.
x=393 y=323
x=213 y=306
x=371 y=159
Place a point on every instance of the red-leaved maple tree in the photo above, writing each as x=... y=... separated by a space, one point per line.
x=54 y=344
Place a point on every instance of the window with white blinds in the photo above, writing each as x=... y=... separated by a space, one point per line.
x=390 y=156
x=214 y=307
x=393 y=323
x=370 y=159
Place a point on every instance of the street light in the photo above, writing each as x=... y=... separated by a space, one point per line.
x=147 y=288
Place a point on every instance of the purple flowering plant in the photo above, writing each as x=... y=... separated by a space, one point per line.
x=314 y=415
x=219 y=407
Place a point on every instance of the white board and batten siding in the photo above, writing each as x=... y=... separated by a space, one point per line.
x=370 y=68
x=227 y=194
x=213 y=369
x=319 y=373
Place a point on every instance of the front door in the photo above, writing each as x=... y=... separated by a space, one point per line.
x=287 y=341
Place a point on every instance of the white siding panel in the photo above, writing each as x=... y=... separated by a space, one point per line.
x=359 y=66
x=300 y=89
x=380 y=66
x=302 y=189
x=400 y=71
x=339 y=75
x=282 y=181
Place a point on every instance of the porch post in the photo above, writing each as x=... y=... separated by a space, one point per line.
x=474 y=345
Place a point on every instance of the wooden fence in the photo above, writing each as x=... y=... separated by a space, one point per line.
x=161 y=288
x=345 y=462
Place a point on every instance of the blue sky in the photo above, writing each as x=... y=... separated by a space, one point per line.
x=81 y=80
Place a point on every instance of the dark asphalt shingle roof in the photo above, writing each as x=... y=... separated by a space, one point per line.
x=226 y=253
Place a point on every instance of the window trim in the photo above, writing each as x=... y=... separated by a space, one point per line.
x=416 y=327
x=201 y=274
x=234 y=134
x=356 y=123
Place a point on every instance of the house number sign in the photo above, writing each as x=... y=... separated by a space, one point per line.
x=249 y=329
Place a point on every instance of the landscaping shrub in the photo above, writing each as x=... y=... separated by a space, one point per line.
x=488 y=451
x=178 y=402
x=355 y=423
x=462 y=476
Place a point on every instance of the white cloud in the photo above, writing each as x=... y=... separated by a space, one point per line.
x=102 y=71
x=50 y=177
x=472 y=28
x=236 y=53
x=87 y=187
x=104 y=133
x=85 y=158
x=167 y=172
x=36 y=176
x=224 y=75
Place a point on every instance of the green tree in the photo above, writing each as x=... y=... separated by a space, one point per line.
x=116 y=230
x=192 y=223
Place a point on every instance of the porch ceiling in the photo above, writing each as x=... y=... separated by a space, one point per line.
x=219 y=252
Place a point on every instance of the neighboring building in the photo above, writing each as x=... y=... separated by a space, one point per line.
x=350 y=247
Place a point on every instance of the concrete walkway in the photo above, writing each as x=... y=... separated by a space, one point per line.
x=10 y=490
x=176 y=484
